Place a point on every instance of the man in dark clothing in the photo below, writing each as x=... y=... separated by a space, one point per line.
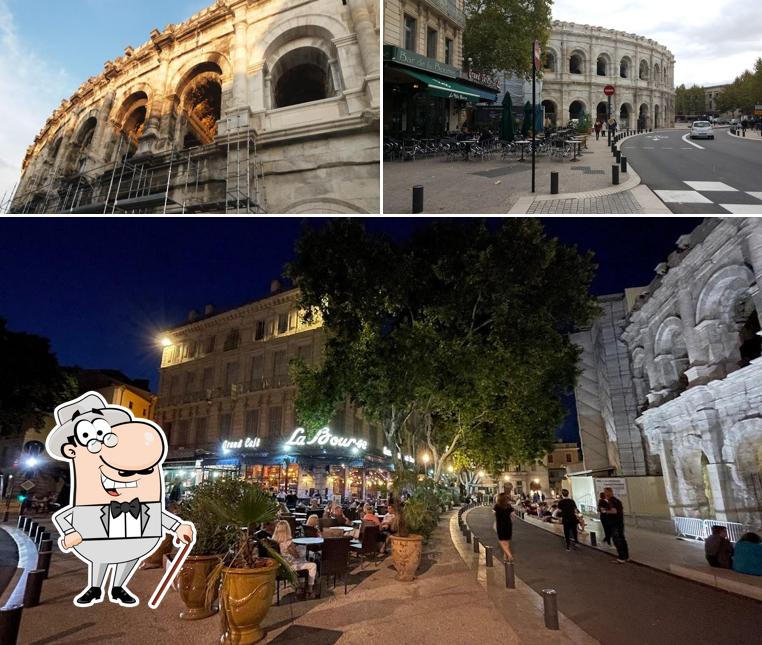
x=568 y=508
x=718 y=549
x=603 y=513
x=616 y=517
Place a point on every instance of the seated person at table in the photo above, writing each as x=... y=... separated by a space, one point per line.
x=390 y=522
x=718 y=549
x=290 y=553
x=265 y=531
x=369 y=515
x=314 y=504
x=748 y=555
x=291 y=500
x=337 y=516
x=313 y=522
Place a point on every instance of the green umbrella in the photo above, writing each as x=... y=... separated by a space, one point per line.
x=527 y=119
x=506 y=126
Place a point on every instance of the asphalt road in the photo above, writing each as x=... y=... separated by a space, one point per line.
x=624 y=604
x=9 y=558
x=676 y=169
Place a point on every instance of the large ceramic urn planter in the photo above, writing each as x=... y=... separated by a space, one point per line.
x=245 y=598
x=406 y=555
x=191 y=585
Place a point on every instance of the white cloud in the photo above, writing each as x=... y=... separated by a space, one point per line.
x=31 y=88
x=713 y=42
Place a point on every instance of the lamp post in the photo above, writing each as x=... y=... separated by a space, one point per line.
x=425 y=459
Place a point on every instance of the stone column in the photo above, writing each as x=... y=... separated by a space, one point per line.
x=157 y=115
x=707 y=421
x=103 y=128
x=240 y=81
x=687 y=308
x=366 y=36
x=333 y=65
x=751 y=246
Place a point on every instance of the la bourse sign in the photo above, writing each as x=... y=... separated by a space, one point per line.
x=324 y=437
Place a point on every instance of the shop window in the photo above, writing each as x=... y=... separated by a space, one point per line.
x=209 y=346
x=282 y=323
x=201 y=437
x=259 y=330
x=431 y=42
x=410 y=32
x=252 y=423
x=448 y=51
x=225 y=426
x=232 y=340
x=271 y=477
x=275 y=426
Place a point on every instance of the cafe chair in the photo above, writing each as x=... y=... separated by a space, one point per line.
x=334 y=560
x=367 y=546
x=325 y=522
x=281 y=578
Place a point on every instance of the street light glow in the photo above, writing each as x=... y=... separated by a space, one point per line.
x=165 y=342
x=425 y=458
x=506 y=478
x=450 y=469
x=31 y=462
x=481 y=473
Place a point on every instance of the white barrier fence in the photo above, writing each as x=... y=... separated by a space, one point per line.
x=698 y=529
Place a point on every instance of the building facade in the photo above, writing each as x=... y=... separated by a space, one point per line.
x=248 y=106
x=711 y=95
x=226 y=403
x=427 y=93
x=694 y=344
x=581 y=60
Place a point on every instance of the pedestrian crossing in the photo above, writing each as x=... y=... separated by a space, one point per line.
x=712 y=197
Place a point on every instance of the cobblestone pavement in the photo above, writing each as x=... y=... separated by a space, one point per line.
x=623 y=203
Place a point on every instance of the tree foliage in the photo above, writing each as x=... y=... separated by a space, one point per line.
x=499 y=33
x=32 y=383
x=744 y=92
x=454 y=341
x=690 y=101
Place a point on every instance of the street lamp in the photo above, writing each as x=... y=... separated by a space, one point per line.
x=425 y=460
x=165 y=342
x=480 y=474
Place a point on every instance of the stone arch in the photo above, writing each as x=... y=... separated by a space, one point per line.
x=743 y=450
x=603 y=65
x=625 y=67
x=692 y=475
x=640 y=377
x=130 y=119
x=188 y=70
x=712 y=302
x=643 y=70
x=199 y=95
x=303 y=69
x=602 y=111
x=657 y=116
x=657 y=73
x=77 y=154
x=550 y=61
x=577 y=60
x=625 y=115
x=306 y=25
x=644 y=117
x=324 y=206
x=577 y=108
x=551 y=111
x=671 y=352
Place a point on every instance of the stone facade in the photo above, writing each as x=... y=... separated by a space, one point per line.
x=249 y=106
x=581 y=60
x=694 y=345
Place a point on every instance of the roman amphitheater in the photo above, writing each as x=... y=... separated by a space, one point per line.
x=250 y=106
x=581 y=60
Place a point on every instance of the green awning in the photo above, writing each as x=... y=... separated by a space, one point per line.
x=444 y=88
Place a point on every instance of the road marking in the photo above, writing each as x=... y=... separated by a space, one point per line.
x=756 y=196
x=648 y=148
x=710 y=186
x=682 y=197
x=742 y=209
x=667 y=148
x=695 y=145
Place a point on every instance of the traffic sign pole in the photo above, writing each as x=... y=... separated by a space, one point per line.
x=609 y=92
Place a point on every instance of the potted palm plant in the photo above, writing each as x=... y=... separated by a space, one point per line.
x=244 y=580
x=417 y=519
x=212 y=541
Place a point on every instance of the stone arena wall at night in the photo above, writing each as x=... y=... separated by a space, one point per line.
x=580 y=60
x=248 y=106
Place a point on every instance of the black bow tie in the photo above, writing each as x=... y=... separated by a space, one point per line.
x=133 y=508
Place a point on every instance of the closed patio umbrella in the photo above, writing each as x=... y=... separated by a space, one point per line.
x=527 y=119
x=506 y=125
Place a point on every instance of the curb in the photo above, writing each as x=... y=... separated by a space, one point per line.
x=737 y=136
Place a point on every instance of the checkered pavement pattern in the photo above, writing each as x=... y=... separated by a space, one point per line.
x=716 y=196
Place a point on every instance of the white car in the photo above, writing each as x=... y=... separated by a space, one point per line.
x=702 y=130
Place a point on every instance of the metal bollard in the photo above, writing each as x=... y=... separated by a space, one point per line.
x=31 y=527
x=623 y=164
x=615 y=175
x=488 y=555
x=43 y=559
x=36 y=533
x=619 y=156
x=476 y=544
x=20 y=522
x=468 y=536
x=417 y=199
x=510 y=575
x=550 y=605
x=614 y=149
x=25 y=522
x=593 y=539
x=554 y=183
x=44 y=536
x=33 y=589
x=5 y=516
x=10 y=620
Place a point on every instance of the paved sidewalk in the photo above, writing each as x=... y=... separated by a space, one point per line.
x=459 y=187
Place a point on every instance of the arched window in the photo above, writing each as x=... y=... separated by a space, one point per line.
x=643 y=70
x=551 y=113
x=550 y=62
x=201 y=105
x=576 y=110
x=132 y=118
x=301 y=75
x=85 y=138
x=657 y=73
x=625 y=66
x=576 y=64
x=747 y=323
x=602 y=65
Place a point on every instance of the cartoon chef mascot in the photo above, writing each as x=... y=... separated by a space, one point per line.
x=116 y=513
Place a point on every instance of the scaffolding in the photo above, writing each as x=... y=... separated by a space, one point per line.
x=244 y=176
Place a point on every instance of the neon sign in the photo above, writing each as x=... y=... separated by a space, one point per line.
x=325 y=438
x=248 y=442
x=406 y=458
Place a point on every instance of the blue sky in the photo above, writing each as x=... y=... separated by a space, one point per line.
x=48 y=48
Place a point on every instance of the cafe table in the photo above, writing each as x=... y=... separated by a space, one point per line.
x=576 y=144
x=308 y=541
x=523 y=145
x=346 y=529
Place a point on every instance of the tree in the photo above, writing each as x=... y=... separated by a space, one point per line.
x=452 y=341
x=744 y=92
x=499 y=33
x=32 y=383
x=690 y=101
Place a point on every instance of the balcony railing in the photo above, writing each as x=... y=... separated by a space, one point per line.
x=450 y=9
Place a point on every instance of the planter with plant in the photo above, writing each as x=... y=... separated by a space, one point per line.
x=244 y=580
x=418 y=518
x=212 y=540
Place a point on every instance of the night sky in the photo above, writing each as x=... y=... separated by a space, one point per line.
x=102 y=290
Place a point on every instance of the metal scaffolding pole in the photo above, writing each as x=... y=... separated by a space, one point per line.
x=113 y=173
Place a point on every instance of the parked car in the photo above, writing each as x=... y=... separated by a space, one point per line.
x=702 y=130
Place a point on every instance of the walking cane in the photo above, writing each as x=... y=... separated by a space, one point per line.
x=170 y=574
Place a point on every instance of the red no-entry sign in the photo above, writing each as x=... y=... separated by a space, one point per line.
x=609 y=90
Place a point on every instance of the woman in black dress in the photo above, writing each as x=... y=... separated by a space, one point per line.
x=503 y=512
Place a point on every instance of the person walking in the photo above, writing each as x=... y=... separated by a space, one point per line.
x=504 y=524
x=568 y=508
x=598 y=128
x=616 y=517
x=603 y=513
